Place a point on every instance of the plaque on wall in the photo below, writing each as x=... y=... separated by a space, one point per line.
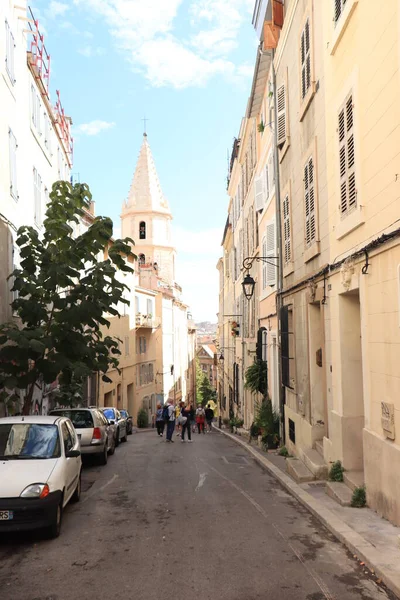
x=387 y=419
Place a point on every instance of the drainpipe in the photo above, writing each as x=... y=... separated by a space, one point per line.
x=278 y=210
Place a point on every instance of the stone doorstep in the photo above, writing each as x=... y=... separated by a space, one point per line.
x=339 y=492
x=315 y=463
x=319 y=446
x=373 y=557
x=298 y=470
x=353 y=479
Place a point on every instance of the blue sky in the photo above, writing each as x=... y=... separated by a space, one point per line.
x=185 y=64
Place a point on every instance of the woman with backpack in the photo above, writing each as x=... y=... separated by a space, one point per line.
x=200 y=418
x=160 y=423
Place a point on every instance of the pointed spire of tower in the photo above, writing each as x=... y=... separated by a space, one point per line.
x=145 y=192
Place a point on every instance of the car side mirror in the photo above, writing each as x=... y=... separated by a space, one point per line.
x=73 y=454
x=111 y=422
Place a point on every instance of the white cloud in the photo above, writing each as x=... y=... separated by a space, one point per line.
x=94 y=127
x=145 y=32
x=56 y=9
x=90 y=51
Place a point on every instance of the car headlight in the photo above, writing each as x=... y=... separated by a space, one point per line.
x=36 y=490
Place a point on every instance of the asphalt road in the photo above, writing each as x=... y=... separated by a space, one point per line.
x=180 y=521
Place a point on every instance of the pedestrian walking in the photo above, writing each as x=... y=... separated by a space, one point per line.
x=178 y=410
x=187 y=413
x=160 y=423
x=209 y=417
x=200 y=417
x=171 y=421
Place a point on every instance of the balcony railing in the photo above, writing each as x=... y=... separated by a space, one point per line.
x=147 y=321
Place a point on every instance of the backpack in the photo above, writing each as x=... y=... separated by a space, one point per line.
x=165 y=413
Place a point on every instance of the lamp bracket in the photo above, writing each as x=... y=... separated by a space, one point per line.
x=249 y=260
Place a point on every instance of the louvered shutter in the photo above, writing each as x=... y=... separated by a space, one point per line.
x=270 y=253
x=348 y=192
x=305 y=53
x=259 y=193
x=281 y=115
x=309 y=202
x=287 y=230
x=264 y=266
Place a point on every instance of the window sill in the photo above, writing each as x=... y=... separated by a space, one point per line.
x=349 y=223
x=288 y=269
x=284 y=149
x=342 y=23
x=305 y=103
x=312 y=252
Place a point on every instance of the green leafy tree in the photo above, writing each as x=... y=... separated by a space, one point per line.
x=207 y=391
x=199 y=380
x=66 y=285
x=256 y=378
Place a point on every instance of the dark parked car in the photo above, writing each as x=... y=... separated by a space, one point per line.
x=129 y=421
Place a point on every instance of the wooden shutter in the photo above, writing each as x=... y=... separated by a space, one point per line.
x=277 y=13
x=348 y=191
x=264 y=266
x=287 y=250
x=259 y=193
x=309 y=202
x=305 y=53
x=270 y=253
x=12 y=147
x=281 y=115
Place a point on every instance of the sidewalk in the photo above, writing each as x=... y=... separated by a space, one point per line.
x=371 y=539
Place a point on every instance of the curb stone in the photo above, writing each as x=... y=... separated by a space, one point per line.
x=358 y=545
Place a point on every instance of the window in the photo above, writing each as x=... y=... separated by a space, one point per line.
x=137 y=306
x=287 y=241
x=47 y=130
x=37 y=197
x=348 y=191
x=66 y=438
x=287 y=346
x=309 y=202
x=142 y=259
x=151 y=373
x=149 y=307
x=12 y=144
x=281 y=94
x=126 y=346
x=35 y=109
x=264 y=265
x=305 y=54
x=142 y=230
x=270 y=254
x=339 y=8
x=259 y=193
x=10 y=48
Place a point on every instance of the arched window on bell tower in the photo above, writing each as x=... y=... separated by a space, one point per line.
x=142 y=230
x=142 y=259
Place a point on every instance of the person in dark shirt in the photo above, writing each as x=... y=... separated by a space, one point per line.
x=188 y=412
x=209 y=417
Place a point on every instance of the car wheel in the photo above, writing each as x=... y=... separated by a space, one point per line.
x=77 y=493
x=117 y=438
x=55 y=528
x=112 y=449
x=104 y=457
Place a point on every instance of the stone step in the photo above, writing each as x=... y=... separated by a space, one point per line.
x=353 y=479
x=339 y=492
x=297 y=469
x=319 y=446
x=315 y=463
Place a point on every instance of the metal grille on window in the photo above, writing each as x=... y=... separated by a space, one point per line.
x=305 y=53
x=309 y=201
x=348 y=191
x=286 y=230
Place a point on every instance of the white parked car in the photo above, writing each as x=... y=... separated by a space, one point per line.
x=40 y=472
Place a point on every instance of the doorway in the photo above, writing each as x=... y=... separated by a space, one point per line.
x=318 y=397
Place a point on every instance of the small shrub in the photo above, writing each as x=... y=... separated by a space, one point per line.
x=336 y=472
x=239 y=423
x=283 y=451
x=359 y=498
x=225 y=421
x=142 y=419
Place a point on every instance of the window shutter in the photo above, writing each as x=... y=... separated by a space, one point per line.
x=281 y=115
x=348 y=191
x=10 y=46
x=287 y=252
x=12 y=143
x=305 y=53
x=259 y=193
x=270 y=253
x=264 y=265
x=309 y=201
x=338 y=8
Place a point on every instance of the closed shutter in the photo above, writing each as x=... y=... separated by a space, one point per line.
x=12 y=146
x=348 y=191
x=259 y=193
x=309 y=201
x=270 y=253
x=305 y=53
x=241 y=251
x=10 y=47
x=338 y=7
x=287 y=251
x=264 y=265
x=281 y=115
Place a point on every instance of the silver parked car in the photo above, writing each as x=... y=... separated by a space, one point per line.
x=118 y=422
x=95 y=434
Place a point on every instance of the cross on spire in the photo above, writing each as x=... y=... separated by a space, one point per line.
x=144 y=124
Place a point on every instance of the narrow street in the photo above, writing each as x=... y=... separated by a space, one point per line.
x=177 y=521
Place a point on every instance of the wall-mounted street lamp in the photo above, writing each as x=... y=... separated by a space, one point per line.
x=248 y=283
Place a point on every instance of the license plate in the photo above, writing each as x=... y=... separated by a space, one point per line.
x=6 y=515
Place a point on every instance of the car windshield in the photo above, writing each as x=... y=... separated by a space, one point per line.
x=29 y=440
x=109 y=413
x=124 y=413
x=81 y=419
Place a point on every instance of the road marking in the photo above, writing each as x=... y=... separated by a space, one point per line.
x=103 y=487
x=320 y=582
x=202 y=479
